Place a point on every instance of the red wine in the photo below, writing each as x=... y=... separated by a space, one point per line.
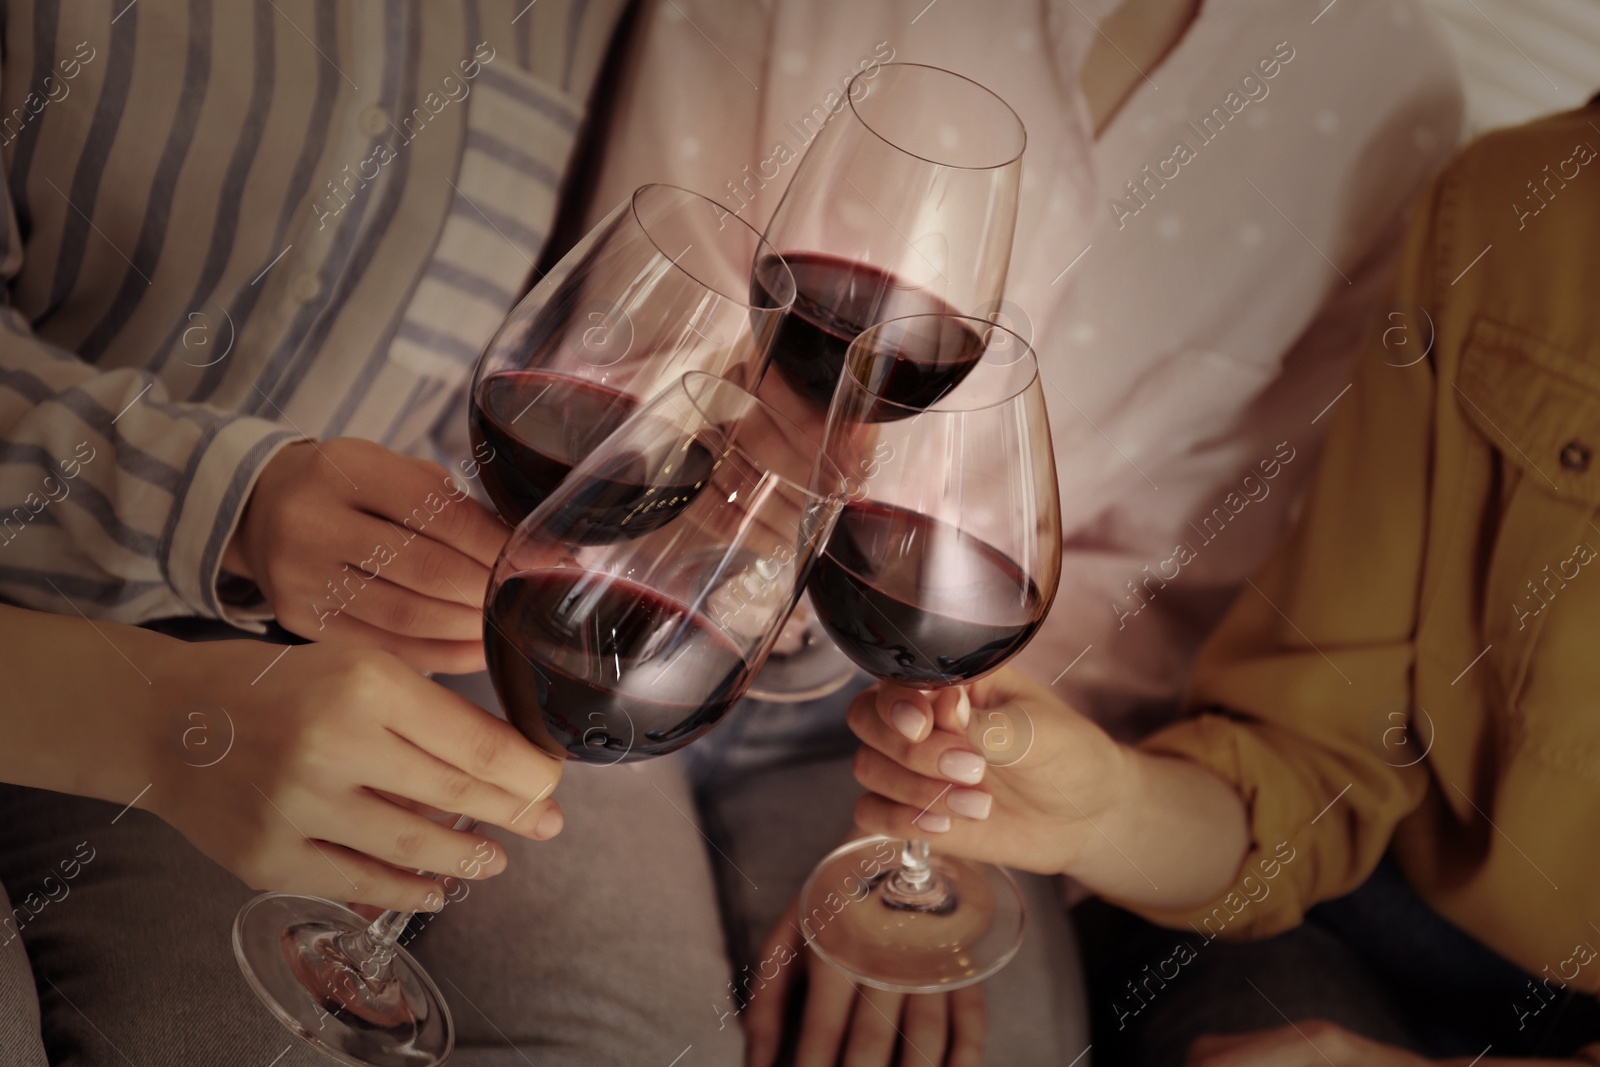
x=633 y=493
x=917 y=601
x=538 y=425
x=604 y=670
x=836 y=299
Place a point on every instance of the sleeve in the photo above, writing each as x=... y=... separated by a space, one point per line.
x=114 y=501
x=1289 y=697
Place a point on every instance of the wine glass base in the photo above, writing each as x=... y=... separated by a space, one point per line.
x=292 y=951
x=847 y=919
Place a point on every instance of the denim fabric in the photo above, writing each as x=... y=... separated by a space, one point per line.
x=1379 y=962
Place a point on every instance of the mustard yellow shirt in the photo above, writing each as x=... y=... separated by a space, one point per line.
x=1419 y=663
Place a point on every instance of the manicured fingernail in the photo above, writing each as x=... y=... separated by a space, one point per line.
x=907 y=718
x=549 y=824
x=963 y=708
x=932 y=823
x=969 y=803
x=959 y=766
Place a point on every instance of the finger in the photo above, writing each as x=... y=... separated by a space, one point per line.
x=942 y=755
x=956 y=837
x=1210 y=1044
x=926 y=1025
x=421 y=654
x=431 y=786
x=829 y=999
x=952 y=710
x=969 y=1026
x=424 y=500
x=908 y=712
x=420 y=563
x=763 y=1016
x=400 y=611
x=400 y=838
x=332 y=871
x=462 y=734
x=1284 y=1047
x=873 y=1032
x=878 y=773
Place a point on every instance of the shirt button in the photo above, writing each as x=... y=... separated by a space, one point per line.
x=305 y=288
x=373 y=121
x=1575 y=456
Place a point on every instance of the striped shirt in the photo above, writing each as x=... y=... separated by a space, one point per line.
x=226 y=227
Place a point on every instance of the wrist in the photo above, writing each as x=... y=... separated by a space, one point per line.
x=183 y=720
x=115 y=754
x=1096 y=824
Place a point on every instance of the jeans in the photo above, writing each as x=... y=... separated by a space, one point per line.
x=1378 y=962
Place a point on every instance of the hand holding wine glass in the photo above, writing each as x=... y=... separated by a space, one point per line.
x=1005 y=774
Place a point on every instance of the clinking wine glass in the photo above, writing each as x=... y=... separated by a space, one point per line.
x=941 y=567
x=630 y=610
x=625 y=616
x=659 y=287
x=905 y=203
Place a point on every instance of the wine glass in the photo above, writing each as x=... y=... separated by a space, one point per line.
x=629 y=611
x=905 y=204
x=625 y=616
x=659 y=287
x=941 y=567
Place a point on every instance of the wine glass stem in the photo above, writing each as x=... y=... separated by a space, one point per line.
x=914 y=871
x=375 y=945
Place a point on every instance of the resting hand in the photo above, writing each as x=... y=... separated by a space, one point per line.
x=856 y=1026
x=352 y=543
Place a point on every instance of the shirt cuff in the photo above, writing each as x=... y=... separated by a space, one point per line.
x=222 y=471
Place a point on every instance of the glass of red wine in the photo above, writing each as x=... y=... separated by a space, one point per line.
x=660 y=287
x=941 y=567
x=625 y=616
x=905 y=204
x=631 y=609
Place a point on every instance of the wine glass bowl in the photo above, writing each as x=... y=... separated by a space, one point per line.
x=628 y=613
x=904 y=204
x=660 y=287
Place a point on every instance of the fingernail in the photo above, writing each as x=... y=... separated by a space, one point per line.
x=959 y=766
x=963 y=708
x=549 y=824
x=907 y=718
x=969 y=803
x=932 y=823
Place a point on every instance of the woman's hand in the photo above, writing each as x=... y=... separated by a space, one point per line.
x=853 y=1026
x=353 y=543
x=316 y=777
x=1002 y=771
